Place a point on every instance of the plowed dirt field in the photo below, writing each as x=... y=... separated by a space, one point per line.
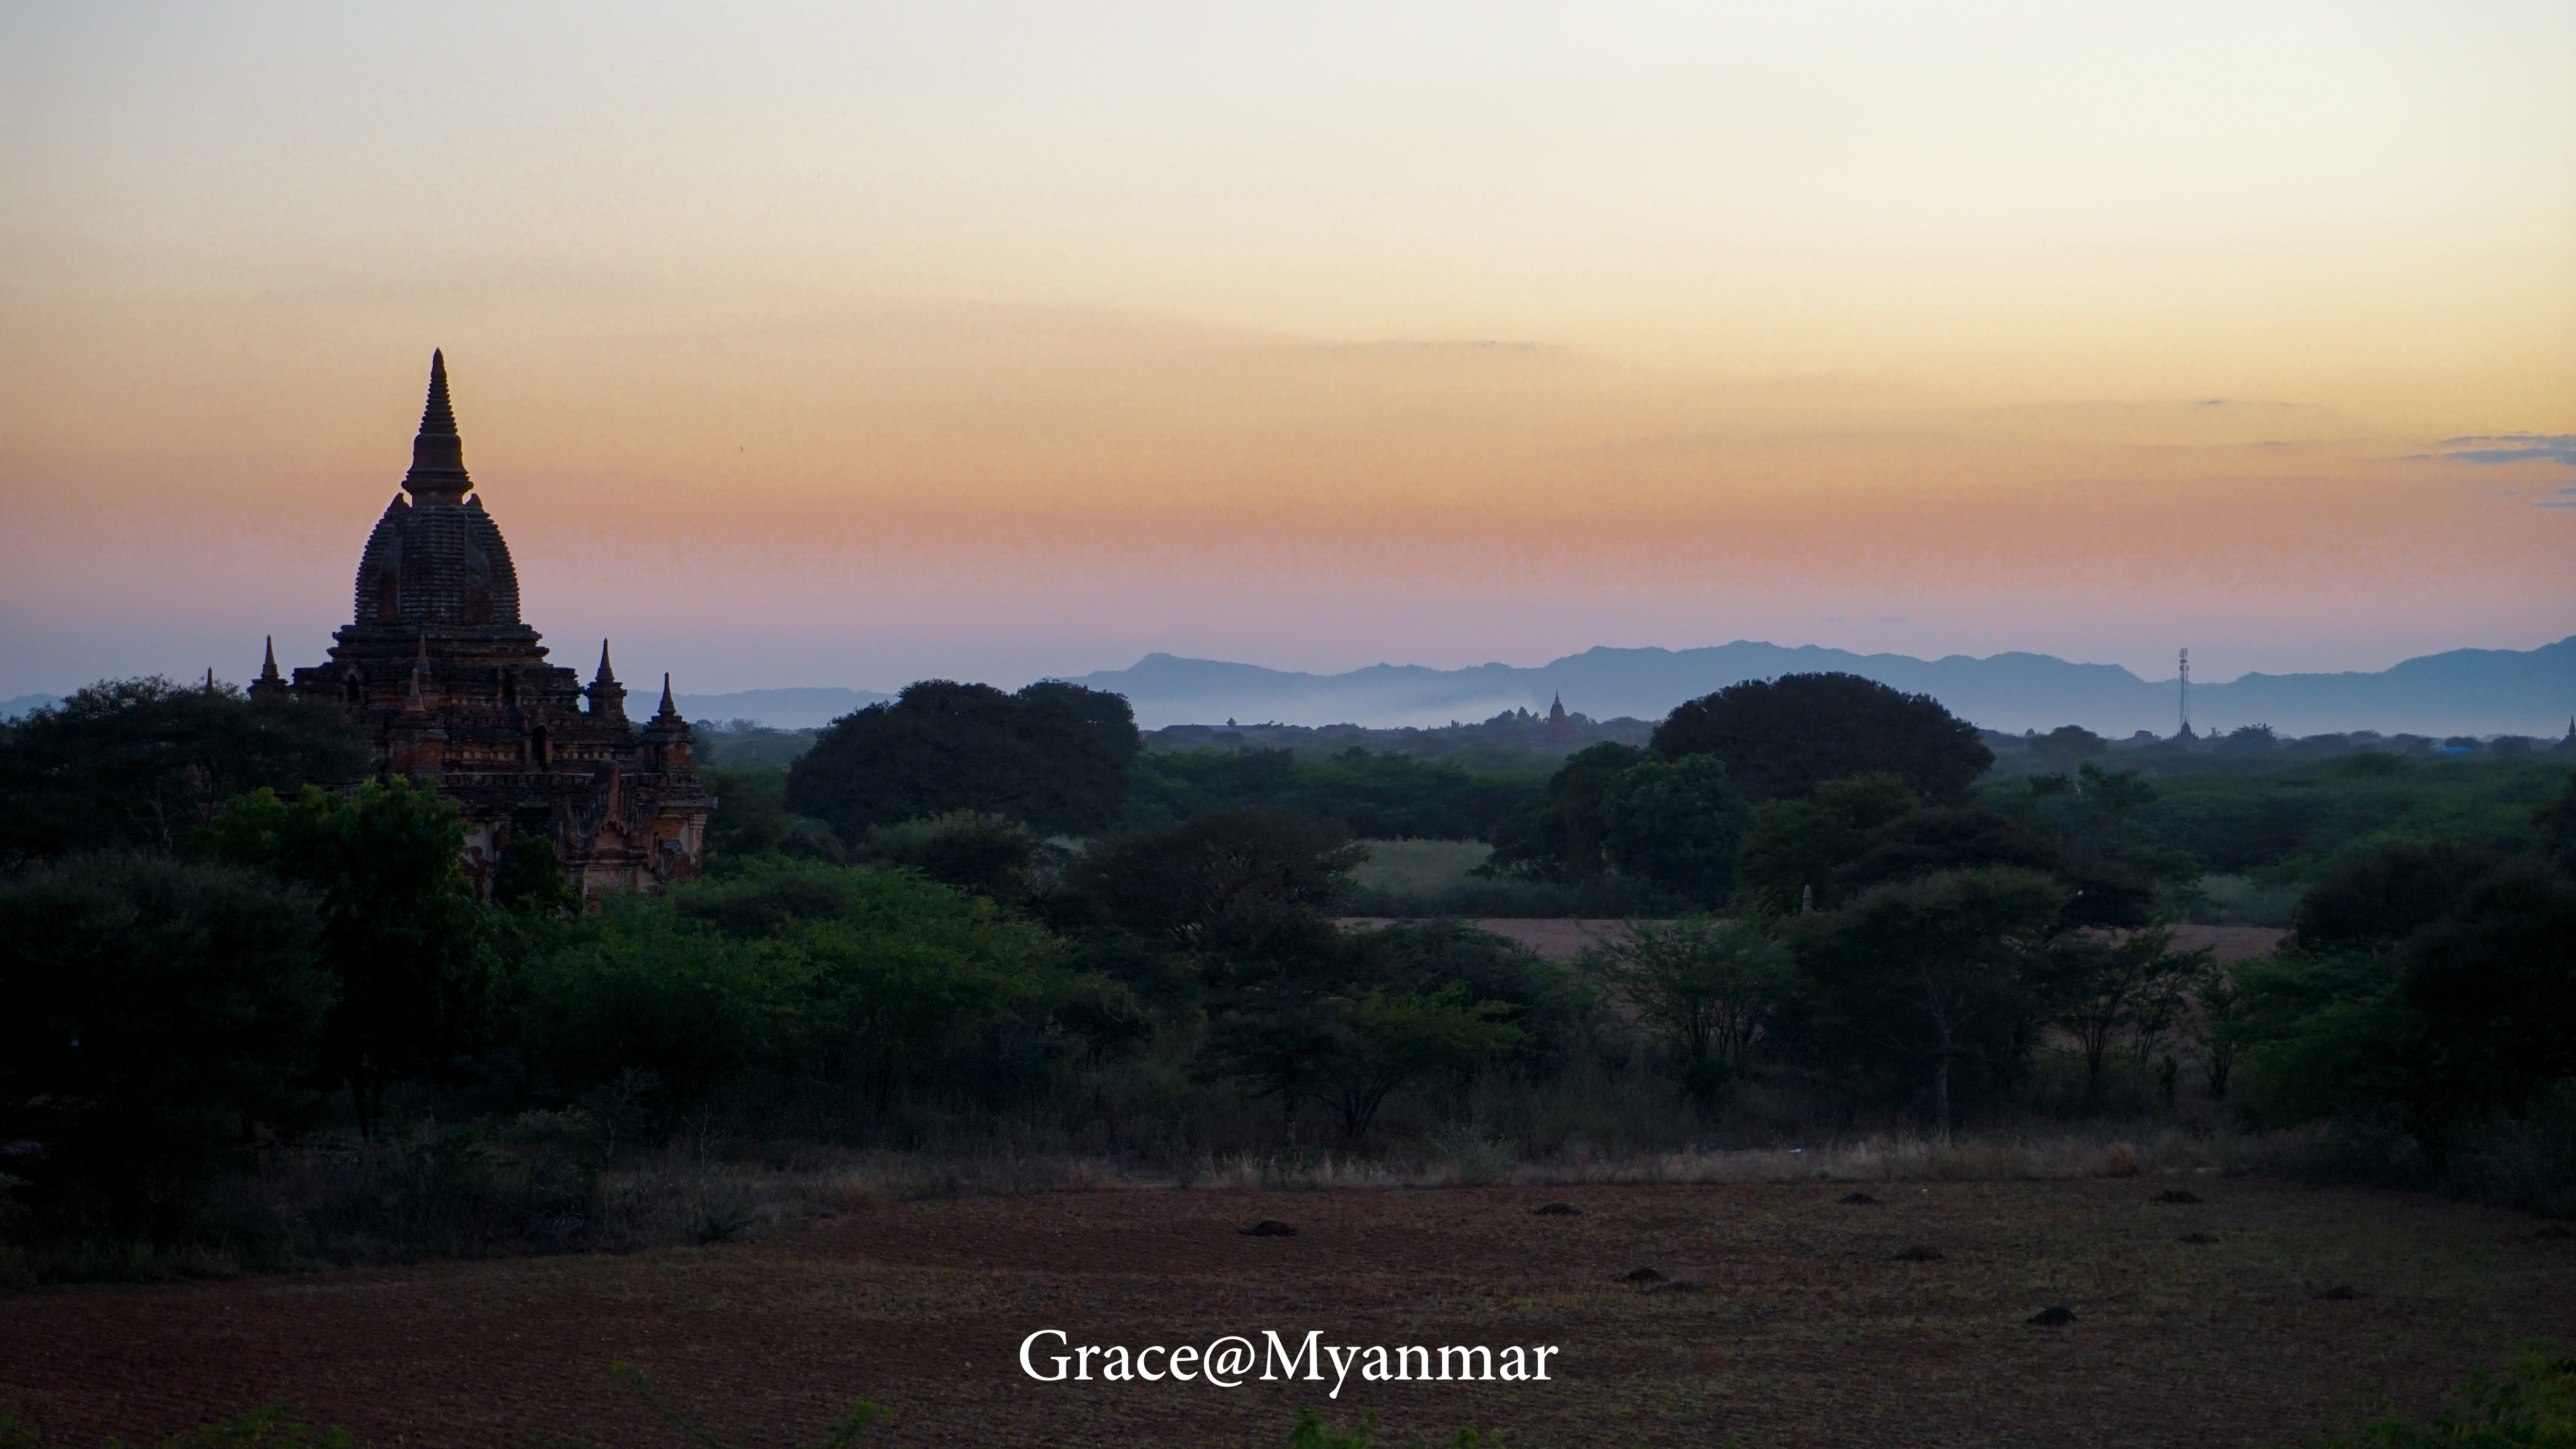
x=1798 y=1325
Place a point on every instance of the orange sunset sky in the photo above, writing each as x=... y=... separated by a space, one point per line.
x=850 y=344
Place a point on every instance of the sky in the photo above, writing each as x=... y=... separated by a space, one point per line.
x=852 y=344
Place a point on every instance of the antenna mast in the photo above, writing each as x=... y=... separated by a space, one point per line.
x=2186 y=692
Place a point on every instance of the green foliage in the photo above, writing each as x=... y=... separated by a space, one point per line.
x=992 y=856
x=1707 y=986
x=2294 y=817
x=156 y=1008
x=743 y=745
x=2387 y=893
x=641 y=989
x=1932 y=975
x=1546 y=1000
x=782 y=969
x=2066 y=748
x=1248 y=868
x=2469 y=1014
x=2104 y=985
x=1562 y=835
x=751 y=819
x=1794 y=847
x=141 y=763
x=403 y=935
x=1372 y=794
x=2531 y=1406
x=1676 y=824
x=1783 y=737
x=1944 y=838
x=1381 y=1040
x=531 y=879
x=1054 y=756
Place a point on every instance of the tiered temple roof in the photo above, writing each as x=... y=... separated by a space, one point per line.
x=454 y=689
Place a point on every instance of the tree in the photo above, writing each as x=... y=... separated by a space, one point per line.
x=1196 y=879
x=1563 y=835
x=2105 y=984
x=140 y=763
x=1781 y=738
x=1794 y=847
x=531 y=878
x=156 y=1009
x=1676 y=824
x=403 y=934
x=1381 y=1040
x=2066 y=747
x=2387 y=893
x=992 y=856
x=1927 y=842
x=2556 y=822
x=789 y=969
x=751 y=819
x=1924 y=968
x=1707 y=986
x=1054 y=756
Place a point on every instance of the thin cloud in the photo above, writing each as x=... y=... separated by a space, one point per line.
x=2557 y=448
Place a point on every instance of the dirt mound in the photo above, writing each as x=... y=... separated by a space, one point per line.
x=1642 y=1277
x=2176 y=1195
x=2195 y=1238
x=2052 y=1317
x=1268 y=1228
x=1857 y=1198
x=2340 y=1293
x=1558 y=1210
x=1920 y=1253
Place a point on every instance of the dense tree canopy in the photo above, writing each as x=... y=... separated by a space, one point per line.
x=404 y=936
x=1374 y=795
x=1563 y=834
x=1785 y=736
x=155 y=1008
x=1938 y=976
x=1794 y=847
x=140 y=763
x=1227 y=871
x=1676 y=823
x=1054 y=756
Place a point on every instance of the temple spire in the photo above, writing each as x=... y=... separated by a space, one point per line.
x=668 y=710
x=437 y=455
x=607 y=696
x=270 y=684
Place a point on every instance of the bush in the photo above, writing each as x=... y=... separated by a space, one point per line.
x=2533 y=1406
x=157 y=1010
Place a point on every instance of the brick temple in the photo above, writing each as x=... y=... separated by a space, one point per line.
x=453 y=689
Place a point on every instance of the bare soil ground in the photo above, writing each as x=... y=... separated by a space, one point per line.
x=1798 y=1324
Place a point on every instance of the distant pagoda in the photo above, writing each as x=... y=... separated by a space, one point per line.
x=453 y=689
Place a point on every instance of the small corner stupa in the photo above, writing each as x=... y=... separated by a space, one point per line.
x=452 y=689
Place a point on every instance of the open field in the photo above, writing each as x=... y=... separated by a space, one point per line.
x=1800 y=1327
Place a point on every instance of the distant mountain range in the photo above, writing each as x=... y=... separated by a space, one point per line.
x=2464 y=691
